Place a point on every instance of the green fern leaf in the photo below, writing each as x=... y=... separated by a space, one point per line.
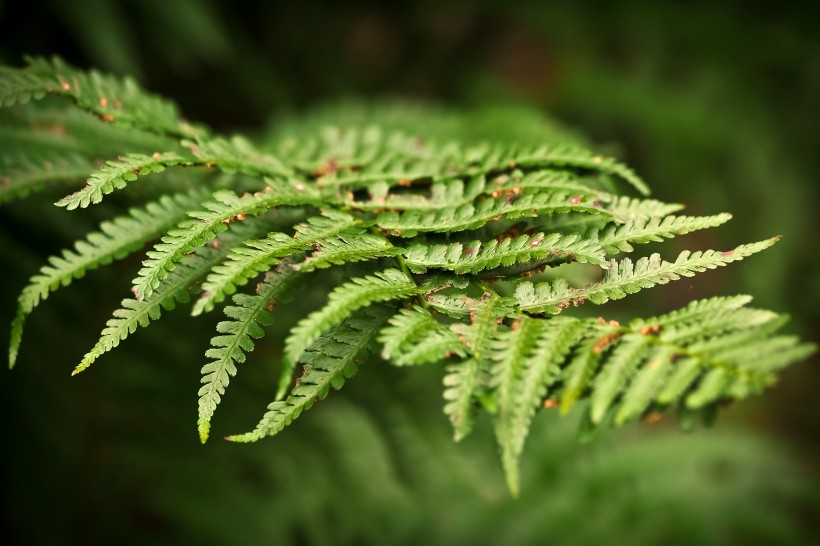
x=238 y=155
x=23 y=174
x=249 y=315
x=465 y=380
x=116 y=175
x=625 y=209
x=478 y=256
x=527 y=363
x=174 y=289
x=620 y=238
x=414 y=337
x=114 y=240
x=386 y=285
x=332 y=358
x=257 y=256
x=353 y=245
x=190 y=234
x=615 y=374
x=627 y=278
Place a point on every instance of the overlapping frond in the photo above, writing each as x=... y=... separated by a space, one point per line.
x=331 y=359
x=386 y=285
x=259 y=255
x=225 y=208
x=616 y=239
x=21 y=174
x=115 y=239
x=415 y=337
x=174 y=289
x=249 y=315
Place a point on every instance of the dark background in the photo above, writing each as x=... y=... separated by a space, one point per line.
x=714 y=103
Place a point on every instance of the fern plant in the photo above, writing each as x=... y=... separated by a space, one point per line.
x=432 y=250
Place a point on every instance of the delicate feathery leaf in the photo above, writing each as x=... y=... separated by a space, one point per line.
x=114 y=240
x=23 y=174
x=225 y=207
x=249 y=315
x=238 y=155
x=621 y=238
x=477 y=256
x=21 y=86
x=353 y=245
x=582 y=365
x=467 y=217
x=526 y=364
x=625 y=209
x=330 y=360
x=456 y=307
x=111 y=98
x=645 y=383
x=173 y=290
x=117 y=174
x=615 y=374
x=464 y=380
x=443 y=194
x=625 y=277
x=414 y=337
x=256 y=256
x=386 y=285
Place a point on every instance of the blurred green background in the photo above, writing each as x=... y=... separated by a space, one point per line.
x=714 y=103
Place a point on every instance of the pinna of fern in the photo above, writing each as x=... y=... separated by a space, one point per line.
x=428 y=242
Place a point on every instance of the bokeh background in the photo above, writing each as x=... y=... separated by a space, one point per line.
x=716 y=104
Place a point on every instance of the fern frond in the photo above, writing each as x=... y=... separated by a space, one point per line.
x=330 y=360
x=464 y=380
x=257 y=256
x=353 y=245
x=527 y=359
x=225 y=207
x=386 y=285
x=467 y=217
x=623 y=209
x=623 y=278
x=621 y=238
x=117 y=174
x=414 y=337
x=174 y=289
x=24 y=174
x=111 y=98
x=238 y=155
x=478 y=256
x=249 y=316
x=114 y=240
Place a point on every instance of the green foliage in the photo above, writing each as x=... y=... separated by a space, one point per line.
x=436 y=240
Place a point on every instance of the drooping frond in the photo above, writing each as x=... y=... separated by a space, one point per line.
x=117 y=174
x=330 y=360
x=173 y=290
x=114 y=240
x=408 y=224
x=478 y=256
x=625 y=277
x=249 y=315
x=621 y=238
x=415 y=337
x=254 y=257
x=112 y=99
x=527 y=359
x=386 y=285
x=225 y=207
x=465 y=380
